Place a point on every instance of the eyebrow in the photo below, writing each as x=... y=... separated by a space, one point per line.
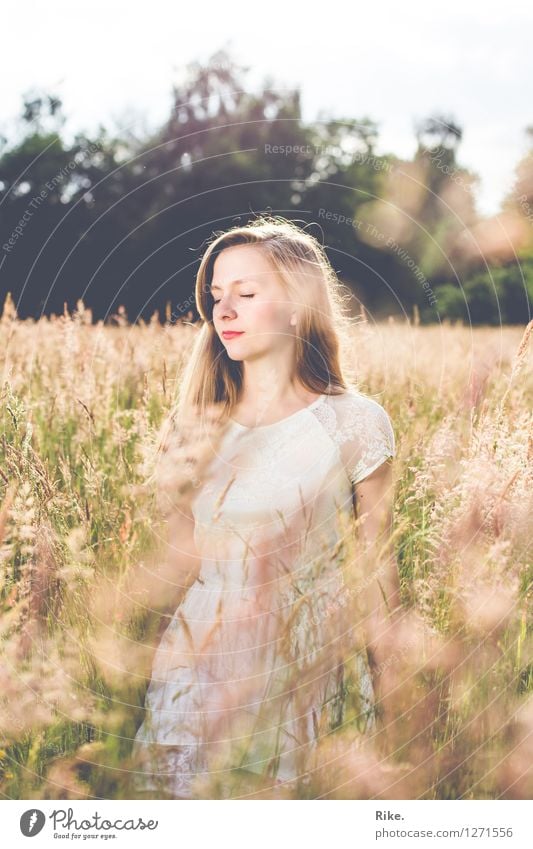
x=237 y=282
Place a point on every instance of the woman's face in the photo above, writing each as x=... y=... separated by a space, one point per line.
x=257 y=309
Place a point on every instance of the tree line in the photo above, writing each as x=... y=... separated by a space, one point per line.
x=121 y=220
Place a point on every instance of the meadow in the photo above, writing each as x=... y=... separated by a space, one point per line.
x=87 y=581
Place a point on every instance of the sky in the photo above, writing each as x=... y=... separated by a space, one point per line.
x=114 y=62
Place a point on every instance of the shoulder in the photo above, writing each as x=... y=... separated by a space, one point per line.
x=356 y=413
x=362 y=430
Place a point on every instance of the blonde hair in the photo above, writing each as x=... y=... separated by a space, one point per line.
x=323 y=341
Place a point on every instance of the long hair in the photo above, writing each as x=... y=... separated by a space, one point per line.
x=211 y=380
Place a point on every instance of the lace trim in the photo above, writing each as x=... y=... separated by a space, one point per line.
x=166 y=769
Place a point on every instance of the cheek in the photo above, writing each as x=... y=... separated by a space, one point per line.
x=270 y=315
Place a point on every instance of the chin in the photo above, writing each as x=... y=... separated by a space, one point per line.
x=233 y=349
x=233 y=353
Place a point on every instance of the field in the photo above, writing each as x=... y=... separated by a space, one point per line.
x=84 y=566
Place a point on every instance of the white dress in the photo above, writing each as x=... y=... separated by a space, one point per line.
x=252 y=669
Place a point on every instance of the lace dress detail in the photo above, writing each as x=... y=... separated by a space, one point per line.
x=176 y=768
x=362 y=430
x=257 y=661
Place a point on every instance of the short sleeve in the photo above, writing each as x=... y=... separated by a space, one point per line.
x=364 y=434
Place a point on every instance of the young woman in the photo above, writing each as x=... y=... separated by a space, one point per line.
x=252 y=670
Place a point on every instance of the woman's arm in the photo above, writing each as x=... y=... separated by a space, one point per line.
x=373 y=504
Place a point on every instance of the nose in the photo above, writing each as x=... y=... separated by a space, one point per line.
x=226 y=308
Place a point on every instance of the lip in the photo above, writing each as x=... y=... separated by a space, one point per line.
x=229 y=334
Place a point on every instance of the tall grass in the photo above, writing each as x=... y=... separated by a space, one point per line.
x=88 y=579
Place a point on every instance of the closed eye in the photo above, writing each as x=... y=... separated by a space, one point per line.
x=242 y=296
